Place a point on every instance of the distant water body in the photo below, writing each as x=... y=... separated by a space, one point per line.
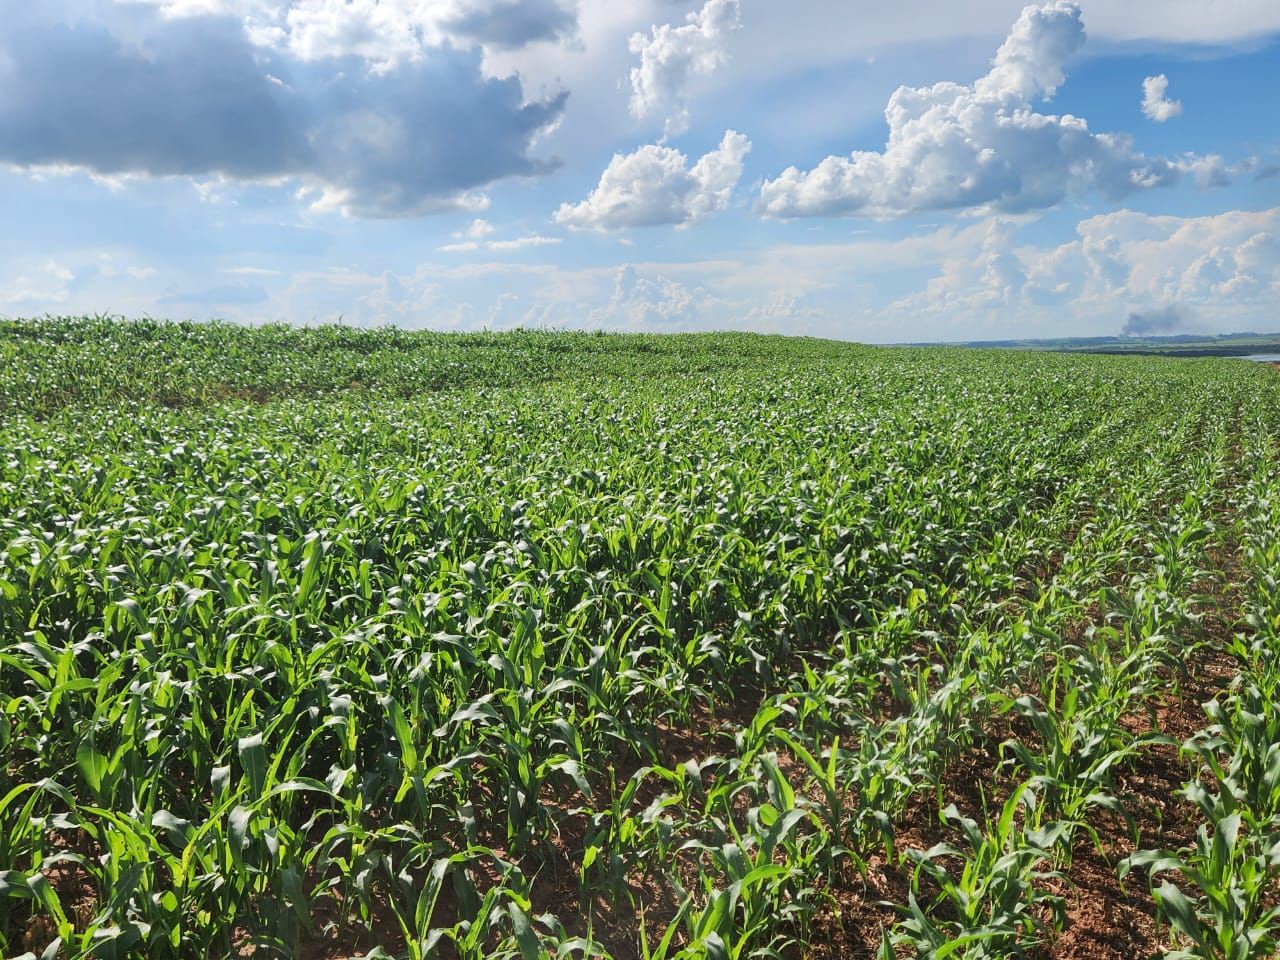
x=1264 y=357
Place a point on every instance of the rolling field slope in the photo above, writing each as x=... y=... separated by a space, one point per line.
x=332 y=643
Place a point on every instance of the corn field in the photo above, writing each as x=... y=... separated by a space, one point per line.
x=333 y=643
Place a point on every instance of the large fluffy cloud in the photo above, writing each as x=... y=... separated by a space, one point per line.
x=423 y=138
x=189 y=98
x=671 y=56
x=655 y=185
x=127 y=90
x=982 y=145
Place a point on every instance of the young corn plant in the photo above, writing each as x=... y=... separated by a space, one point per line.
x=989 y=892
x=1223 y=908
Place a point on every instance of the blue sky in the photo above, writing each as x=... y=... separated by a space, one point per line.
x=919 y=170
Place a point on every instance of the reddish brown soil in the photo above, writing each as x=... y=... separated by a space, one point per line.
x=1107 y=918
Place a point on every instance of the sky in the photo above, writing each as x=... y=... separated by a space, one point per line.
x=918 y=170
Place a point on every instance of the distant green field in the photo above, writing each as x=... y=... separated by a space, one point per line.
x=1179 y=345
x=331 y=643
x=51 y=364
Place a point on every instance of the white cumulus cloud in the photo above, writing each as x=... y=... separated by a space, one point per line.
x=1214 y=262
x=655 y=185
x=1155 y=104
x=1030 y=62
x=671 y=56
x=984 y=145
x=1125 y=270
